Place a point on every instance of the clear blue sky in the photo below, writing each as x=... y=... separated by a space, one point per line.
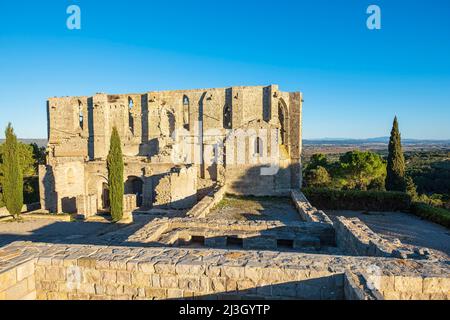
x=354 y=80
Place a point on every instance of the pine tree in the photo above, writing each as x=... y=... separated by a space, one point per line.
x=115 y=176
x=395 y=179
x=12 y=174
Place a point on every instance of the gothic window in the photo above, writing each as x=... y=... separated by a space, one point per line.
x=186 y=112
x=80 y=115
x=227 y=120
x=282 y=118
x=259 y=147
x=130 y=115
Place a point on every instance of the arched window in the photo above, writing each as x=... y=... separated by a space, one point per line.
x=227 y=118
x=282 y=118
x=186 y=107
x=130 y=115
x=80 y=115
x=259 y=145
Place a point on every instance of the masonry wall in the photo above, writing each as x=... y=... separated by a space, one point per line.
x=49 y=272
x=18 y=282
x=147 y=280
x=80 y=129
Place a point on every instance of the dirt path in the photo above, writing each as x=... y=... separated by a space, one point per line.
x=406 y=227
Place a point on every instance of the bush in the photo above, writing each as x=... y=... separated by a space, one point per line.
x=437 y=215
x=317 y=178
x=31 y=190
x=358 y=200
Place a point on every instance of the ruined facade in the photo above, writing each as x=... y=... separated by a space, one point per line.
x=177 y=146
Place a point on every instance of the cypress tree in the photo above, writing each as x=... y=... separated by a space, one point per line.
x=12 y=174
x=395 y=179
x=115 y=176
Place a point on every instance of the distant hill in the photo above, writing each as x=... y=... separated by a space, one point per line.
x=378 y=140
x=322 y=141
x=39 y=142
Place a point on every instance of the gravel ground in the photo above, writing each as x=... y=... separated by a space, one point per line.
x=49 y=230
x=408 y=228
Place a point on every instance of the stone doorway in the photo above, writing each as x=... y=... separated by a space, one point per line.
x=134 y=185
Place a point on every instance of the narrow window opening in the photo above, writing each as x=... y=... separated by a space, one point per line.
x=186 y=106
x=258 y=147
x=227 y=120
x=80 y=115
x=130 y=115
x=282 y=118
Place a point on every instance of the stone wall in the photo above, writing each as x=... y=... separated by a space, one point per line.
x=405 y=287
x=306 y=210
x=80 y=130
x=176 y=189
x=204 y=206
x=86 y=206
x=18 y=282
x=96 y=272
x=356 y=238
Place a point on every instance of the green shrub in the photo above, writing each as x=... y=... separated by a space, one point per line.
x=31 y=190
x=358 y=200
x=437 y=215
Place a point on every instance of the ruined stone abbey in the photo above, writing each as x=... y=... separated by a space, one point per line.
x=193 y=159
x=79 y=130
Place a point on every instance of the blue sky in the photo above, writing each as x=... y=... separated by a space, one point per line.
x=354 y=80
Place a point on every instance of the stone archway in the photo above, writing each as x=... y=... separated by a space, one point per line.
x=98 y=185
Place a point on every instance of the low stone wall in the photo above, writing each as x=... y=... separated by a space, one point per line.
x=18 y=283
x=356 y=238
x=86 y=206
x=356 y=288
x=204 y=206
x=255 y=234
x=306 y=210
x=404 y=287
x=25 y=208
x=97 y=272
x=176 y=189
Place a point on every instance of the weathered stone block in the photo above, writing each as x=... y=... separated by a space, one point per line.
x=92 y=276
x=8 y=279
x=123 y=277
x=234 y=272
x=436 y=285
x=109 y=276
x=156 y=293
x=174 y=293
x=408 y=284
x=141 y=279
x=17 y=291
x=169 y=282
x=25 y=270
